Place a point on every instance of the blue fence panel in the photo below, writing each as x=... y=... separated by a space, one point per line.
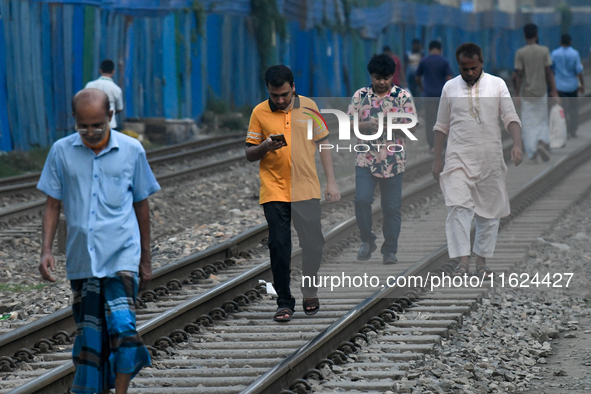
x=5 y=137
x=165 y=69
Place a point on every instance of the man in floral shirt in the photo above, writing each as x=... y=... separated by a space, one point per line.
x=384 y=162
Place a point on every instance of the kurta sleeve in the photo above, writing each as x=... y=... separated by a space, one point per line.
x=507 y=108
x=443 y=113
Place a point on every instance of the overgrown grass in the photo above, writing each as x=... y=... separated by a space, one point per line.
x=21 y=288
x=17 y=163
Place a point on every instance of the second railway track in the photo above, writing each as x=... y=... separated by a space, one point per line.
x=171 y=331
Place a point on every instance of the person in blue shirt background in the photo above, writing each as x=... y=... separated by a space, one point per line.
x=567 y=66
x=103 y=179
x=435 y=71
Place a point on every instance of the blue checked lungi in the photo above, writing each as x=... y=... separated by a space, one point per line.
x=106 y=339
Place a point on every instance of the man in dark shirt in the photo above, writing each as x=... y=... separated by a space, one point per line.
x=435 y=71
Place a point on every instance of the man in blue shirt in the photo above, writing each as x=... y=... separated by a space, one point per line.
x=567 y=68
x=436 y=71
x=103 y=179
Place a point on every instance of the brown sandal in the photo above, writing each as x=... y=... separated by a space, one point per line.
x=312 y=303
x=484 y=273
x=461 y=269
x=280 y=315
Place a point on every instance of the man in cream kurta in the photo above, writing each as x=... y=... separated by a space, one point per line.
x=473 y=179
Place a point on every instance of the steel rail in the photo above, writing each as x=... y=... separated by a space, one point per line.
x=306 y=358
x=60 y=378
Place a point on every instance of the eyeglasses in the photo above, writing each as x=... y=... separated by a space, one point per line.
x=93 y=131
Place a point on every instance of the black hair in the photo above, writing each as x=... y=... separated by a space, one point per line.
x=386 y=49
x=469 y=50
x=107 y=66
x=566 y=40
x=277 y=75
x=416 y=41
x=435 y=45
x=84 y=96
x=381 y=64
x=530 y=30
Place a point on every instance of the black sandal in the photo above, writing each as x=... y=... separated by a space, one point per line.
x=280 y=315
x=312 y=303
x=461 y=269
x=484 y=272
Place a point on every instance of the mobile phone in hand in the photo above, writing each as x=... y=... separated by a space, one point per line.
x=278 y=137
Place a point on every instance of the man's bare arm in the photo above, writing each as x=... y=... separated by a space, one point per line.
x=518 y=82
x=516 y=153
x=142 y=213
x=51 y=216
x=331 y=194
x=551 y=81
x=257 y=152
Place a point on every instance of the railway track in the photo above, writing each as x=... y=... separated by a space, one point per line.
x=171 y=330
x=26 y=212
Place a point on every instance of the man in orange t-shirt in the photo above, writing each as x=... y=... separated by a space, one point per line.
x=289 y=184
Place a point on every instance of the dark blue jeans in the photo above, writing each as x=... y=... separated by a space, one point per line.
x=391 y=192
x=306 y=221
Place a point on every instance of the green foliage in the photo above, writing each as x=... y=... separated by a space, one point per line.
x=17 y=163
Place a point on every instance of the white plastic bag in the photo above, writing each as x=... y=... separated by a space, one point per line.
x=557 y=127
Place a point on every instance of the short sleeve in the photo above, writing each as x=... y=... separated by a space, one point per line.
x=144 y=181
x=507 y=108
x=518 y=61
x=579 y=64
x=51 y=182
x=443 y=113
x=548 y=58
x=255 y=131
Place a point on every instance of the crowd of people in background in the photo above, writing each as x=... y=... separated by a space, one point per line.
x=538 y=74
